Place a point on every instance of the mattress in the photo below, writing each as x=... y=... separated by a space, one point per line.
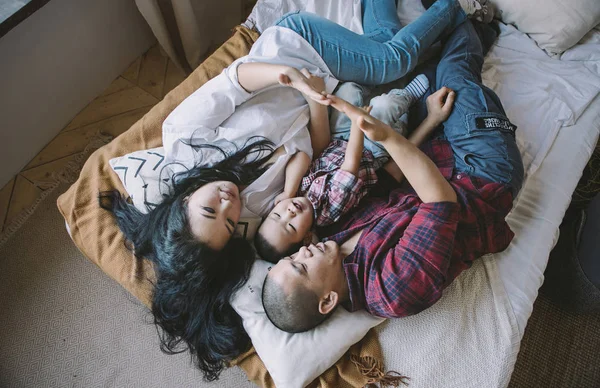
x=556 y=107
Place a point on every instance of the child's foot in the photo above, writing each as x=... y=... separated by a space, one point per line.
x=414 y=90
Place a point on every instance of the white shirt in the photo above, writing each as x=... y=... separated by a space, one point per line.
x=221 y=110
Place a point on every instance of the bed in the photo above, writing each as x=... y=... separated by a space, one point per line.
x=471 y=337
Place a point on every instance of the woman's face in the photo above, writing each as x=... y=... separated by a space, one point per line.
x=213 y=212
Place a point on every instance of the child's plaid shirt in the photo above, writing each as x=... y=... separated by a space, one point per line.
x=332 y=191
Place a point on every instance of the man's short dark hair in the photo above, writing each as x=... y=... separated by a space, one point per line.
x=293 y=313
x=268 y=252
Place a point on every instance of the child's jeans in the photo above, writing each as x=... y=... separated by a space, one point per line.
x=387 y=108
x=387 y=51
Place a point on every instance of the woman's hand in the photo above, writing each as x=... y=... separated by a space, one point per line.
x=369 y=125
x=311 y=86
x=439 y=105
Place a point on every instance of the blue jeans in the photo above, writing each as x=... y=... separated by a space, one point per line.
x=386 y=51
x=481 y=136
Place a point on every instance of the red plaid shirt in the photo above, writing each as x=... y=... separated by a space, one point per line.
x=332 y=191
x=409 y=251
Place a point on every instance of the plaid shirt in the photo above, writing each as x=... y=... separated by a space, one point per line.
x=332 y=191
x=409 y=251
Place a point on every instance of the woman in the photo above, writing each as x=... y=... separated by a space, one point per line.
x=188 y=237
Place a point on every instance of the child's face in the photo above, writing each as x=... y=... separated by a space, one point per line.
x=288 y=223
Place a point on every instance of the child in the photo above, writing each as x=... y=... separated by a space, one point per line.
x=344 y=171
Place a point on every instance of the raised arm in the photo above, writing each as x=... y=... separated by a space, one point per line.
x=254 y=76
x=318 y=125
x=418 y=264
x=295 y=170
x=424 y=176
x=355 y=147
x=439 y=107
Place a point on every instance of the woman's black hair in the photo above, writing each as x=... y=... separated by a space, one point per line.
x=194 y=283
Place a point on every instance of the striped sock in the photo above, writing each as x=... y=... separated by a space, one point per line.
x=417 y=87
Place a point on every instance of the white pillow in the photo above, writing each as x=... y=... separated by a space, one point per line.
x=140 y=172
x=147 y=179
x=555 y=25
x=294 y=360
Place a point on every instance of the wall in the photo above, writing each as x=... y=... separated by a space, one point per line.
x=57 y=61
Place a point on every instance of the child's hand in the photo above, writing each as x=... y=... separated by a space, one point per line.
x=311 y=86
x=280 y=198
x=439 y=105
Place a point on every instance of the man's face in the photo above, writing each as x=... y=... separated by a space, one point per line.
x=316 y=267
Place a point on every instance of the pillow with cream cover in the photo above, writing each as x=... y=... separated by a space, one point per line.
x=294 y=360
x=555 y=25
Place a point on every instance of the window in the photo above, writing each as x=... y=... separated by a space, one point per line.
x=13 y=12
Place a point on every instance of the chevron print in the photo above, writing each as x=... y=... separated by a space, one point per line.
x=143 y=161
x=124 y=169
x=161 y=158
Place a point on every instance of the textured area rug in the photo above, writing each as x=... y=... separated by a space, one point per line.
x=559 y=349
x=66 y=324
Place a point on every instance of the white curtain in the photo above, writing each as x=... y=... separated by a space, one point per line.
x=187 y=29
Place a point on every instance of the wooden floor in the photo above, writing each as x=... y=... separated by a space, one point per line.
x=123 y=102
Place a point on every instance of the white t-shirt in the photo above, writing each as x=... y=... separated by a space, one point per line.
x=221 y=111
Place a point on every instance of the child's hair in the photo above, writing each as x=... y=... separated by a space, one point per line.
x=267 y=251
x=194 y=283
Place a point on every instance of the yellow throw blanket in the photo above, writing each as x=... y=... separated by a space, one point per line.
x=96 y=234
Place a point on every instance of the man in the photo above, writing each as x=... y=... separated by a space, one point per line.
x=394 y=256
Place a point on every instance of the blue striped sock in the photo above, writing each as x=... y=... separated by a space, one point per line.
x=418 y=86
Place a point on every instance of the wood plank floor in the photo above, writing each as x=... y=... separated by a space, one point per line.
x=144 y=83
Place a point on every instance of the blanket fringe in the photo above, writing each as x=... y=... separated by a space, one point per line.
x=68 y=174
x=372 y=368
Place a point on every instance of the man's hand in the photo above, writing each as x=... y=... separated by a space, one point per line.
x=369 y=125
x=311 y=86
x=439 y=105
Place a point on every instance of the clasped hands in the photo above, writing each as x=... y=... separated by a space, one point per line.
x=439 y=104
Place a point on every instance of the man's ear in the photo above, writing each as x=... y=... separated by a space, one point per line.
x=328 y=302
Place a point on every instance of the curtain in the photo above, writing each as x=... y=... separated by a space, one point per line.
x=187 y=29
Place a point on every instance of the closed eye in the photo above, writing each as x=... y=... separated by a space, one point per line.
x=277 y=214
x=292 y=226
x=230 y=222
x=209 y=209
